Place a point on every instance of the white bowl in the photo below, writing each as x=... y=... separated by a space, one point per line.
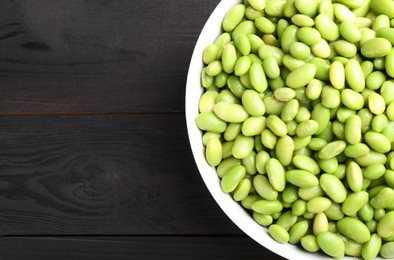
x=233 y=209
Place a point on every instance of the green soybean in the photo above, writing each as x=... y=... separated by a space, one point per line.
x=317 y=143
x=232 y=178
x=343 y=13
x=309 y=243
x=307 y=128
x=375 y=80
x=251 y=13
x=290 y=110
x=268 y=139
x=308 y=193
x=383 y=7
x=350 y=32
x=345 y=49
x=328 y=165
x=320 y=223
x=334 y=212
x=257 y=77
x=331 y=244
x=209 y=121
x=275 y=8
x=376 y=103
x=246 y=27
x=284 y=149
x=292 y=63
x=332 y=149
x=356 y=150
x=242 y=66
x=299 y=207
x=318 y=204
x=232 y=113
x=327 y=27
x=387 y=250
x=242 y=146
x=279 y=233
x=276 y=174
x=264 y=188
x=321 y=115
x=337 y=75
x=284 y=94
x=298 y=231
x=376 y=48
x=307 y=7
x=301 y=76
x=253 y=126
x=249 y=200
x=314 y=89
x=301 y=178
x=354 y=75
x=383 y=199
x=262 y=219
x=253 y=103
x=385 y=226
x=330 y=97
x=264 y=25
x=309 y=36
x=387 y=33
x=229 y=58
x=255 y=43
x=377 y=141
x=366 y=213
x=322 y=49
x=271 y=67
x=276 y=125
x=227 y=164
x=371 y=248
x=352 y=99
x=233 y=17
x=374 y=171
x=242 y=190
x=333 y=187
x=232 y=131
x=353 y=129
x=354 y=202
x=344 y=113
x=290 y=193
x=306 y=163
x=354 y=229
x=380 y=123
x=267 y=207
x=213 y=152
x=354 y=176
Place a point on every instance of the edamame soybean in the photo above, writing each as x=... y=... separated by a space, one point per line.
x=276 y=174
x=331 y=244
x=354 y=229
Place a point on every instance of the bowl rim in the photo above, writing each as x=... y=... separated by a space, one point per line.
x=237 y=214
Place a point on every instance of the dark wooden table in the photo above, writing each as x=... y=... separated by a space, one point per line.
x=95 y=161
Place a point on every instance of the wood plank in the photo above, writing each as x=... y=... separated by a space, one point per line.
x=102 y=175
x=155 y=247
x=97 y=56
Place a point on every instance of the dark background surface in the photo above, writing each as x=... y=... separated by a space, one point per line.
x=94 y=157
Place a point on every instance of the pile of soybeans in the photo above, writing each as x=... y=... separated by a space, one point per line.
x=297 y=117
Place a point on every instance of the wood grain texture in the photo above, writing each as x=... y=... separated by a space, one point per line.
x=119 y=248
x=96 y=145
x=102 y=175
x=97 y=56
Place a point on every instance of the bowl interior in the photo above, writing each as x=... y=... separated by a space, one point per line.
x=233 y=209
